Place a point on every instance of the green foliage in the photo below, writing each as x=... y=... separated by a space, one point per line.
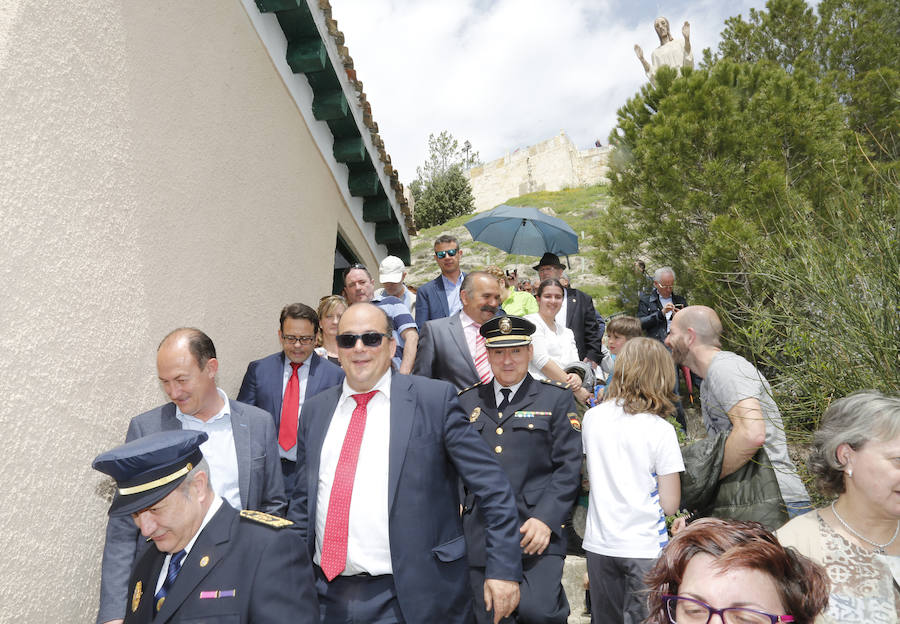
x=825 y=319
x=447 y=195
x=441 y=190
x=705 y=164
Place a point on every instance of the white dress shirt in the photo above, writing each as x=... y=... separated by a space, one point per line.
x=470 y=332
x=550 y=344
x=368 y=539
x=219 y=450
x=303 y=378
x=213 y=508
x=451 y=290
x=563 y=309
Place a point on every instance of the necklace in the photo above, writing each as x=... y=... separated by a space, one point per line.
x=879 y=548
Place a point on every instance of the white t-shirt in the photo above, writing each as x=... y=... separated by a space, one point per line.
x=625 y=452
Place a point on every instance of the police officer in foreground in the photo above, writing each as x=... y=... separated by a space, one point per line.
x=211 y=562
x=533 y=429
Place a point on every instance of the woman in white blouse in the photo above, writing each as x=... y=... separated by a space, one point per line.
x=553 y=343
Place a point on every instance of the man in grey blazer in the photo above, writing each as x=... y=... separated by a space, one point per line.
x=448 y=347
x=241 y=451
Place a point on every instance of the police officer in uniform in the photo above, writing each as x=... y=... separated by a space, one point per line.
x=532 y=428
x=211 y=562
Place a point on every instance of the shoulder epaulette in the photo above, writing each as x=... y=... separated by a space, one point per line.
x=558 y=384
x=267 y=519
x=480 y=383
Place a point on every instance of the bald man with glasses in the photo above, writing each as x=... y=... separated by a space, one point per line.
x=282 y=382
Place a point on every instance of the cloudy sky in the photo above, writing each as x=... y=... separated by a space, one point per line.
x=506 y=74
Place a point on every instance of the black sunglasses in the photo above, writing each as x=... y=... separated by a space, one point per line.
x=369 y=339
x=449 y=252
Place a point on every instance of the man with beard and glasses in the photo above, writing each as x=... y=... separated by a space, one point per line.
x=451 y=348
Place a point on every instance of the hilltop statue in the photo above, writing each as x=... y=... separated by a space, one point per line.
x=671 y=52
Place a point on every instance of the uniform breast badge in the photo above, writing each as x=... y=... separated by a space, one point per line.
x=475 y=414
x=136 y=596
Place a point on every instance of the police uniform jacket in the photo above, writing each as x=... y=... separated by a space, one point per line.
x=239 y=570
x=537 y=440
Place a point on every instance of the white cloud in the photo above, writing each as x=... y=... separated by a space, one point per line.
x=505 y=74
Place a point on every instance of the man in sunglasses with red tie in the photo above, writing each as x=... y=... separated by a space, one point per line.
x=439 y=298
x=381 y=457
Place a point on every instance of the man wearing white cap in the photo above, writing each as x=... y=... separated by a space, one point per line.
x=391 y=274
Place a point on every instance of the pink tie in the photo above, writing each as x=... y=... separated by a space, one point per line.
x=334 y=542
x=287 y=429
x=481 y=360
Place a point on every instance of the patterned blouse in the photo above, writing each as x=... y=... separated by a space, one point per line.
x=863 y=586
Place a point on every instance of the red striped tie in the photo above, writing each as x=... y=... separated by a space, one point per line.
x=481 y=360
x=334 y=542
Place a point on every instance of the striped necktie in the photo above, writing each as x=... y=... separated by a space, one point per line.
x=174 y=568
x=481 y=359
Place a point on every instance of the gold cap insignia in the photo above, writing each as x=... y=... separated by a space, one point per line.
x=205 y=561
x=136 y=596
x=475 y=414
x=505 y=325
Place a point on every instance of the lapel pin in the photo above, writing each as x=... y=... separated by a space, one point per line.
x=205 y=561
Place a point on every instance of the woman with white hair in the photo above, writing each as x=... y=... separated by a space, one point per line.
x=856 y=455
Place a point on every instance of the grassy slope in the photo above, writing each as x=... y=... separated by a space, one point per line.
x=579 y=207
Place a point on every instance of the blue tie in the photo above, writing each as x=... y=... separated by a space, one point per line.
x=174 y=567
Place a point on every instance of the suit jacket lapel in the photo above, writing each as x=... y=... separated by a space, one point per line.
x=315 y=438
x=442 y=295
x=213 y=544
x=240 y=431
x=459 y=337
x=274 y=379
x=571 y=302
x=312 y=380
x=168 y=421
x=403 y=405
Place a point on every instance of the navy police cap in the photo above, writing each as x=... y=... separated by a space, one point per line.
x=507 y=331
x=147 y=469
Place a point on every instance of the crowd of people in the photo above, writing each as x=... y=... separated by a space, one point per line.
x=415 y=455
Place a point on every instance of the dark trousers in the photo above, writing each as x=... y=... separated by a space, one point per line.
x=360 y=599
x=618 y=592
x=542 y=598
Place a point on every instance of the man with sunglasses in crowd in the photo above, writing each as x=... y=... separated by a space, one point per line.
x=359 y=287
x=280 y=383
x=439 y=298
x=377 y=500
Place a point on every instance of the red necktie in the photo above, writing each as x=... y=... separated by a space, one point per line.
x=481 y=360
x=334 y=542
x=287 y=430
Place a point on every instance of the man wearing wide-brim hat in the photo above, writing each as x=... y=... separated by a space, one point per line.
x=532 y=429
x=211 y=562
x=577 y=312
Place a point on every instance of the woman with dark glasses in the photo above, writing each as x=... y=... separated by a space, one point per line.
x=726 y=572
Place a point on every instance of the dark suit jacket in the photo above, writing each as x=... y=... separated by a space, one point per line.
x=259 y=480
x=586 y=324
x=431 y=447
x=540 y=451
x=653 y=321
x=262 y=385
x=443 y=353
x=267 y=568
x=431 y=301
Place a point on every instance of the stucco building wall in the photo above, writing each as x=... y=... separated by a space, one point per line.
x=550 y=165
x=155 y=173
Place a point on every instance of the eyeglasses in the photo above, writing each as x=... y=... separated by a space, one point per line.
x=301 y=339
x=369 y=339
x=449 y=252
x=683 y=610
